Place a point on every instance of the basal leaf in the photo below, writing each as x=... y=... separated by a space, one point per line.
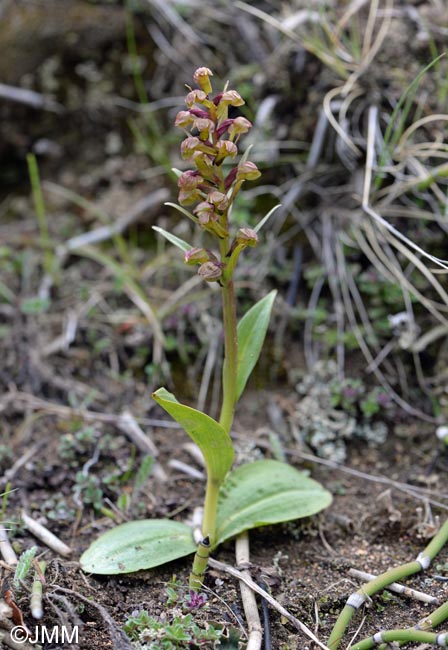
x=209 y=435
x=266 y=492
x=252 y=330
x=138 y=545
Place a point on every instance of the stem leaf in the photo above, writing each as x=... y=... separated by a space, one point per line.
x=211 y=438
x=177 y=241
x=182 y=210
x=138 y=545
x=266 y=492
x=260 y=225
x=251 y=333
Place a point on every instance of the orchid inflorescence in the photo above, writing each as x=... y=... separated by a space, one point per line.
x=212 y=140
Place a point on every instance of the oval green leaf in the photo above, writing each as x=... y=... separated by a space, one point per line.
x=266 y=492
x=251 y=332
x=211 y=438
x=138 y=545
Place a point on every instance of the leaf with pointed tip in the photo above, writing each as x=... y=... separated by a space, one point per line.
x=182 y=210
x=138 y=545
x=251 y=333
x=211 y=438
x=266 y=492
x=260 y=225
x=177 y=241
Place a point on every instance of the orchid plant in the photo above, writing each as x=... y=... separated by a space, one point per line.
x=259 y=493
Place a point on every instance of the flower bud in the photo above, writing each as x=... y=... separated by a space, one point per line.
x=209 y=220
x=201 y=77
x=196 y=256
x=218 y=199
x=204 y=126
x=183 y=119
x=247 y=171
x=188 y=197
x=239 y=125
x=189 y=180
x=246 y=237
x=189 y=146
x=226 y=99
x=210 y=271
x=225 y=148
x=195 y=97
x=203 y=163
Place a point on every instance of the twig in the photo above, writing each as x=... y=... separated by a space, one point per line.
x=29 y=98
x=131 y=428
x=6 y=550
x=397 y=588
x=186 y=469
x=20 y=462
x=220 y=566
x=247 y=595
x=45 y=536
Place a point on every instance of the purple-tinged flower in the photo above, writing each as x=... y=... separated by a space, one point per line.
x=239 y=125
x=183 y=119
x=204 y=164
x=209 y=220
x=225 y=149
x=189 y=146
x=218 y=199
x=247 y=171
x=201 y=77
x=226 y=99
x=204 y=126
x=210 y=271
x=196 y=256
x=188 y=197
x=189 y=180
x=246 y=237
x=192 y=144
x=195 y=97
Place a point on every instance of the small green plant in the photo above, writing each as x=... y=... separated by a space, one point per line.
x=178 y=632
x=260 y=493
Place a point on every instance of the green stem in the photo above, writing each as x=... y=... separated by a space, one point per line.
x=210 y=510
x=406 y=636
x=426 y=624
x=380 y=582
x=230 y=370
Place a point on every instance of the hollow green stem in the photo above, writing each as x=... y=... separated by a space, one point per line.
x=406 y=636
x=428 y=623
x=199 y=564
x=210 y=510
x=381 y=581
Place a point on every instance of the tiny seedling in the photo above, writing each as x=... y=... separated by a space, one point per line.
x=260 y=493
